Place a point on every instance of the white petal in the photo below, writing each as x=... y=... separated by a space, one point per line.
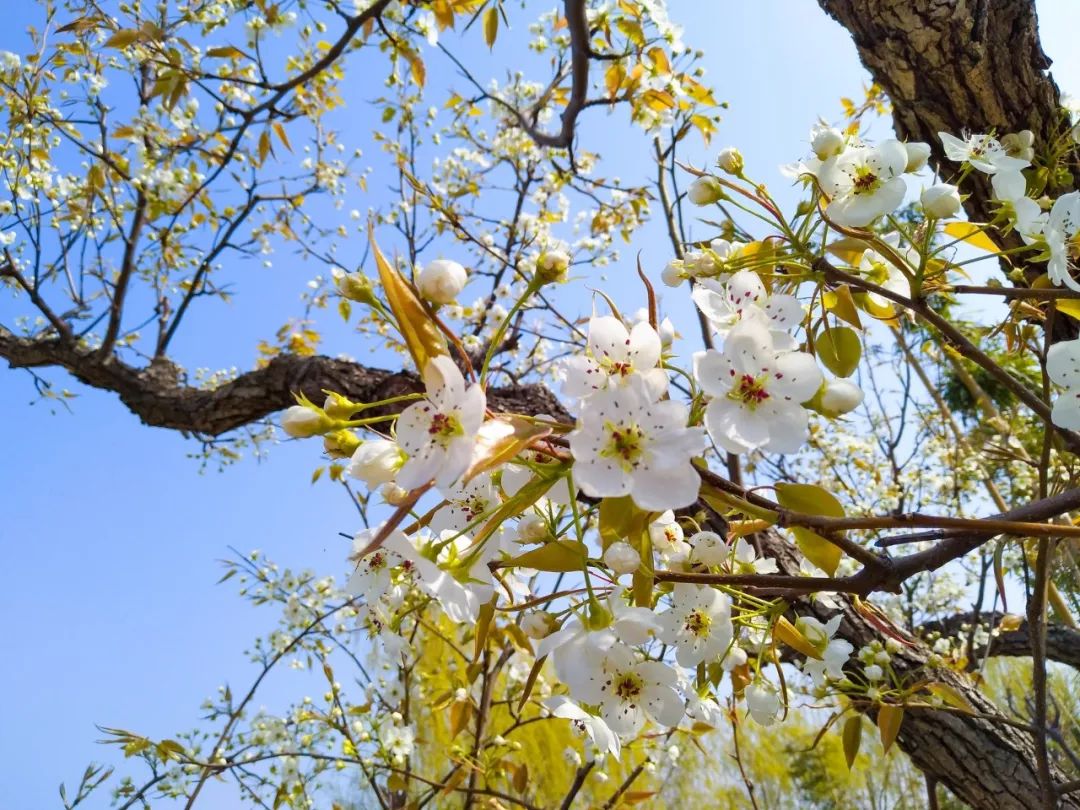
x=796 y=377
x=671 y=488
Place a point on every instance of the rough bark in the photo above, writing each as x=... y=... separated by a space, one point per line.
x=986 y=763
x=1062 y=643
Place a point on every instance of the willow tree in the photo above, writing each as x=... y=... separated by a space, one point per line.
x=664 y=536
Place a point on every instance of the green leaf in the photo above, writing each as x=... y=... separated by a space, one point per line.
x=840 y=303
x=852 y=736
x=422 y=337
x=840 y=349
x=491 y=26
x=618 y=518
x=889 y=718
x=558 y=555
x=811 y=499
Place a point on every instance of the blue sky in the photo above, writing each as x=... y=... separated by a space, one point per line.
x=110 y=534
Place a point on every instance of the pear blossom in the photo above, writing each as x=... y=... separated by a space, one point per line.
x=371 y=578
x=622 y=558
x=576 y=653
x=763 y=702
x=376 y=462
x=835 y=652
x=630 y=691
x=826 y=142
x=698 y=624
x=466 y=503
x=941 y=200
x=613 y=355
x=705 y=190
x=632 y=624
x=601 y=735
x=1063 y=238
x=730 y=160
x=744 y=296
x=538 y=624
x=708 y=548
x=441 y=280
x=839 y=397
x=438 y=434
x=881 y=271
x=1010 y=189
x=714 y=262
x=746 y=561
x=628 y=444
x=1063 y=367
x=757 y=393
x=302 y=422
x=917 y=155
x=863 y=182
x=666 y=536
x=981 y=152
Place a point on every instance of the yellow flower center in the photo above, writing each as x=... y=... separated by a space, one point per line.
x=628 y=686
x=626 y=444
x=697 y=623
x=865 y=181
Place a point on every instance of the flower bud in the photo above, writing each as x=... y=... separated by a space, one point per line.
x=532 y=529
x=376 y=462
x=941 y=200
x=356 y=287
x=622 y=558
x=917 y=155
x=538 y=624
x=441 y=280
x=826 y=142
x=674 y=273
x=667 y=333
x=337 y=406
x=839 y=397
x=301 y=422
x=552 y=266
x=1019 y=144
x=730 y=160
x=393 y=494
x=705 y=191
x=874 y=673
x=340 y=443
x=709 y=549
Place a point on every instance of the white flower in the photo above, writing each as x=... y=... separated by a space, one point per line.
x=826 y=142
x=834 y=652
x=705 y=190
x=628 y=444
x=7 y=238
x=874 y=672
x=667 y=538
x=763 y=701
x=917 y=155
x=715 y=261
x=708 y=548
x=1063 y=238
x=730 y=160
x=553 y=265
x=630 y=691
x=703 y=709
x=575 y=653
x=884 y=273
x=622 y=558
x=698 y=623
x=376 y=462
x=757 y=394
x=840 y=396
x=438 y=433
x=1063 y=366
x=302 y=422
x=597 y=730
x=941 y=200
x=981 y=152
x=631 y=624
x=441 y=280
x=398 y=741
x=537 y=624
x=744 y=296
x=371 y=579
x=1010 y=189
x=613 y=356
x=466 y=503
x=746 y=560
x=863 y=182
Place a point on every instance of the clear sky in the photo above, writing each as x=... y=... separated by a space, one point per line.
x=110 y=534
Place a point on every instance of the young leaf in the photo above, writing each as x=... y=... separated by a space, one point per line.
x=852 y=736
x=889 y=718
x=558 y=555
x=788 y=633
x=491 y=25
x=812 y=500
x=840 y=349
x=973 y=235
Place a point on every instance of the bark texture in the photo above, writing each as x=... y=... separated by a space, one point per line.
x=988 y=764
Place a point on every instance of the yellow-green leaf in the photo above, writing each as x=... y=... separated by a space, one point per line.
x=123 y=38
x=422 y=337
x=972 y=234
x=491 y=25
x=842 y=305
x=889 y=718
x=950 y=696
x=558 y=555
x=618 y=519
x=483 y=628
x=840 y=349
x=812 y=500
x=852 y=736
x=789 y=634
